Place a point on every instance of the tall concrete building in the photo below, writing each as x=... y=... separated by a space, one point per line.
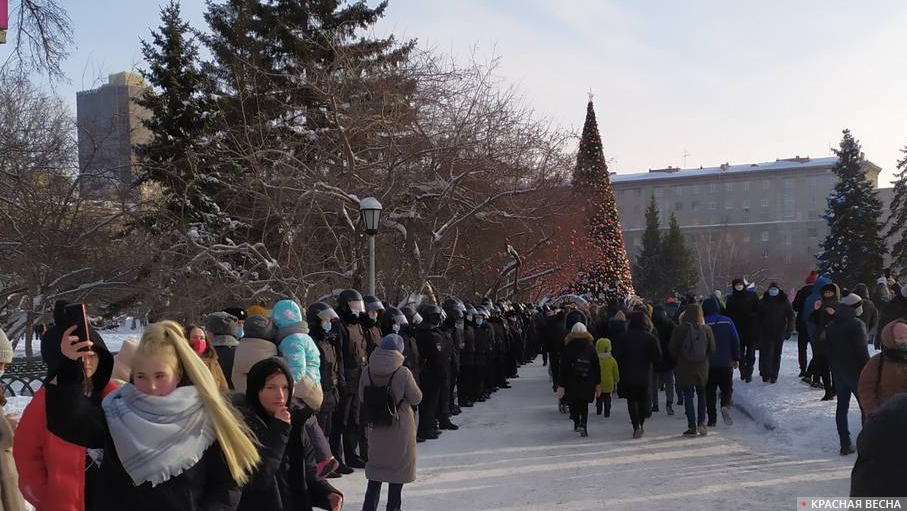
x=760 y=220
x=109 y=125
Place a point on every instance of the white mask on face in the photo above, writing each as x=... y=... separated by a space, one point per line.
x=396 y=329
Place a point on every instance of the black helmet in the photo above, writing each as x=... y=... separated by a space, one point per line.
x=350 y=305
x=432 y=315
x=392 y=316
x=319 y=311
x=412 y=317
x=372 y=304
x=453 y=310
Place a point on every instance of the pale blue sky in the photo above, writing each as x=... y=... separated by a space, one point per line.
x=725 y=81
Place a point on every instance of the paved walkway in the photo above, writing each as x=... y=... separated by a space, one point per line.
x=516 y=453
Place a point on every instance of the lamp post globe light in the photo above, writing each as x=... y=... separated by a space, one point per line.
x=370 y=210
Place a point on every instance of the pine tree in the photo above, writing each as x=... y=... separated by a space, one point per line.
x=648 y=272
x=854 y=249
x=606 y=272
x=178 y=110
x=897 y=219
x=678 y=260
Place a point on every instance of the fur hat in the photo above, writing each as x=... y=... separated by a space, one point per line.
x=221 y=323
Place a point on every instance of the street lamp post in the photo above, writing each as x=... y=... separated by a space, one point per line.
x=370 y=209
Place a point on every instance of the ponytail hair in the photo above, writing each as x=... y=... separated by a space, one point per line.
x=234 y=436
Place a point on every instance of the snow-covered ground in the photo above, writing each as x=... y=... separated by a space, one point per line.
x=516 y=453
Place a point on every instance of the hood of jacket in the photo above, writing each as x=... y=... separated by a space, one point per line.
x=603 y=345
x=844 y=312
x=710 y=307
x=383 y=362
x=888 y=333
x=830 y=287
x=862 y=291
x=286 y=313
x=53 y=357
x=258 y=376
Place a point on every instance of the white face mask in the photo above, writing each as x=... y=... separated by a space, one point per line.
x=396 y=329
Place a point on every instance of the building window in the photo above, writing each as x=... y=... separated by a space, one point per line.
x=788 y=258
x=637 y=242
x=764 y=203
x=713 y=187
x=789 y=184
x=729 y=187
x=713 y=205
x=746 y=186
x=620 y=194
x=746 y=204
x=747 y=215
x=728 y=204
x=694 y=206
x=659 y=192
x=812 y=233
x=637 y=192
x=766 y=184
x=788 y=238
x=764 y=253
x=678 y=206
x=746 y=237
x=678 y=190
x=764 y=235
x=788 y=208
x=695 y=189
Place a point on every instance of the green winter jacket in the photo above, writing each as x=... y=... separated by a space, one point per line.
x=608 y=366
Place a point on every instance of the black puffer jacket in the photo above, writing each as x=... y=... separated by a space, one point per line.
x=579 y=371
x=743 y=309
x=776 y=318
x=635 y=351
x=846 y=336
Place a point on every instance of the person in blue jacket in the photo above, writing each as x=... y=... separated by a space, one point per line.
x=722 y=362
x=299 y=350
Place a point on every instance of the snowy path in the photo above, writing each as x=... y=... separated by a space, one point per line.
x=516 y=453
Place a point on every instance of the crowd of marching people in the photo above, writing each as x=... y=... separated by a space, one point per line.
x=254 y=408
x=689 y=348
x=260 y=407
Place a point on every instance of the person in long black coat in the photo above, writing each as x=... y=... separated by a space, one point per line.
x=554 y=340
x=802 y=330
x=580 y=376
x=270 y=420
x=847 y=354
x=880 y=470
x=776 y=324
x=663 y=371
x=636 y=351
x=743 y=309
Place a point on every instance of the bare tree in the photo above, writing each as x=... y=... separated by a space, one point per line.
x=42 y=38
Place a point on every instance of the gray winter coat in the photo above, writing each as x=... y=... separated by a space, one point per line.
x=392 y=449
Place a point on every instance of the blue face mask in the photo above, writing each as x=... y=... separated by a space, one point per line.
x=326 y=327
x=773 y=292
x=480 y=321
x=239 y=333
x=396 y=329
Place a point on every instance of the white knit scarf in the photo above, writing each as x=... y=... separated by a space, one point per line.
x=157 y=437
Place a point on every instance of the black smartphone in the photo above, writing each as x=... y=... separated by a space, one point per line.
x=75 y=314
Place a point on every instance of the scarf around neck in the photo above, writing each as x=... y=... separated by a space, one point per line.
x=157 y=437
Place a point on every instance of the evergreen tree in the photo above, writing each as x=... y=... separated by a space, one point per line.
x=649 y=271
x=606 y=271
x=679 y=264
x=178 y=110
x=854 y=249
x=897 y=219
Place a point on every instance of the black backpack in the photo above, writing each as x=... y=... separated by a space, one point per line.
x=379 y=406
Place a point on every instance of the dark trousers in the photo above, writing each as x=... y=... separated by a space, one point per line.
x=770 y=358
x=637 y=403
x=603 y=404
x=373 y=496
x=465 y=382
x=695 y=411
x=345 y=428
x=544 y=358
x=802 y=343
x=719 y=378
x=326 y=421
x=480 y=385
x=818 y=368
x=554 y=364
x=428 y=408
x=444 y=400
x=845 y=386
x=747 y=357
x=579 y=412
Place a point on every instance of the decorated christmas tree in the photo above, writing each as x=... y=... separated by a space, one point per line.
x=854 y=249
x=604 y=271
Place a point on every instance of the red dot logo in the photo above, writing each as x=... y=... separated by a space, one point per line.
x=804 y=503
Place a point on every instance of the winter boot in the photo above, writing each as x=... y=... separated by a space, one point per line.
x=599 y=405
x=637 y=433
x=847 y=449
x=726 y=415
x=690 y=432
x=702 y=430
x=827 y=397
x=669 y=409
x=607 y=411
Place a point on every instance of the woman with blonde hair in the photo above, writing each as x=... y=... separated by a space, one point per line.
x=170 y=439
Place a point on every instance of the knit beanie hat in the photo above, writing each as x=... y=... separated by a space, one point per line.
x=854 y=301
x=221 y=323
x=578 y=328
x=258 y=310
x=811 y=278
x=6 y=349
x=392 y=342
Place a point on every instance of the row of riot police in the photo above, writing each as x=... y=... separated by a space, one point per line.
x=459 y=353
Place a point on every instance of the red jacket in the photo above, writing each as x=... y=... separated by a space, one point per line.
x=51 y=470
